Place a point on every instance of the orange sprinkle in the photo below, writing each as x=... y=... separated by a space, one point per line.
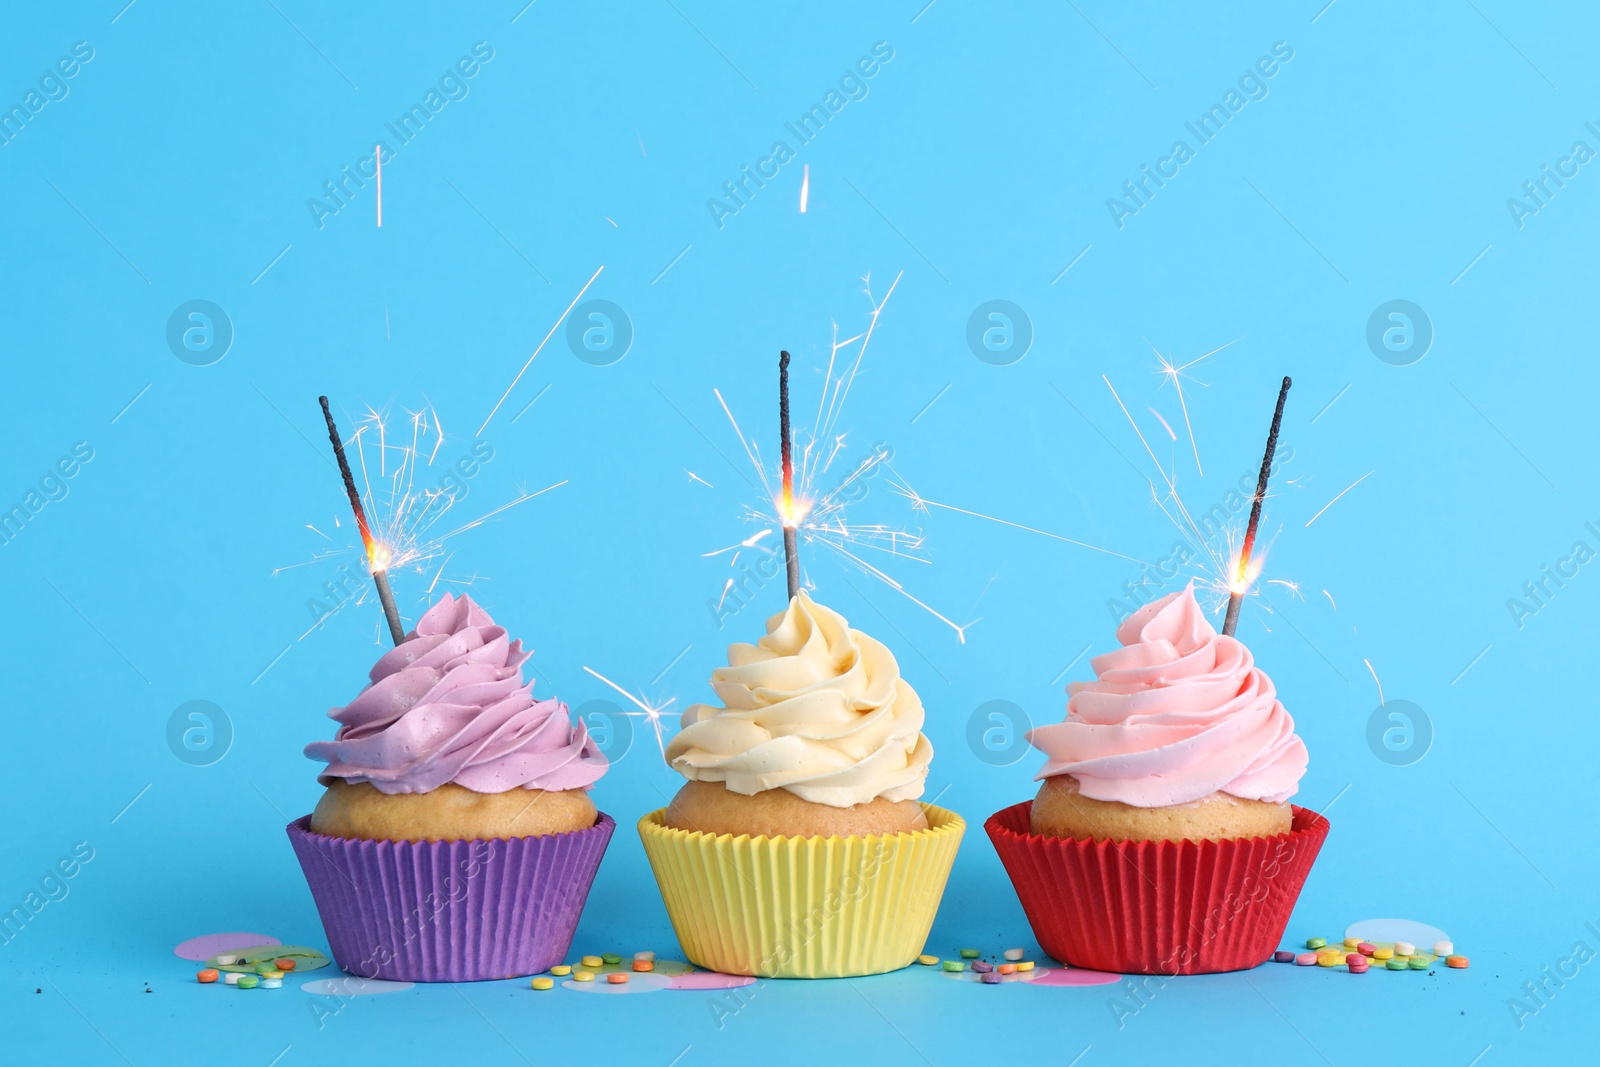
x=209 y=974
x=1455 y=961
x=284 y=964
x=1007 y=968
x=644 y=965
x=617 y=977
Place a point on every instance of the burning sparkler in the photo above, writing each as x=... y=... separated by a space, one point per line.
x=377 y=554
x=1243 y=577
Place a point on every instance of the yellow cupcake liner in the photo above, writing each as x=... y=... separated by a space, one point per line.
x=803 y=907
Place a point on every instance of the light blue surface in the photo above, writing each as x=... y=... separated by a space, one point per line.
x=1376 y=167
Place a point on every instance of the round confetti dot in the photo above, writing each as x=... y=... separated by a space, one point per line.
x=1282 y=956
x=1355 y=959
x=648 y=957
x=1382 y=954
x=272 y=983
x=208 y=945
x=1014 y=954
x=989 y=978
x=285 y=964
x=611 y=957
x=544 y=983
x=1366 y=948
x=1443 y=948
x=928 y=961
x=593 y=961
x=1459 y=962
x=644 y=965
x=1396 y=964
x=617 y=977
x=208 y=974
x=232 y=978
x=1314 y=943
x=1007 y=968
x=969 y=953
x=1404 y=948
x=1419 y=963
x=954 y=965
x=247 y=981
x=1025 y=965
x=1329 y=959
x=583 y=976
x=561 y=970
x=1351 y=942
x=981 y=967
x=1306 y=959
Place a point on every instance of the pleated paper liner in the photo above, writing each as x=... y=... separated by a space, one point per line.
x=803 y=907
x=1157 y=907
x=450 y=911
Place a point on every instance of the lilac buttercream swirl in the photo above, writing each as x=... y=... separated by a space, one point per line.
x=448 y=704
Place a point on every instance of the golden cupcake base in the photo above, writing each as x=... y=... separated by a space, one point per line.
x=802 y=907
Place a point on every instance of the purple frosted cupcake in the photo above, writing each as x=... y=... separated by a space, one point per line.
x=456 y=840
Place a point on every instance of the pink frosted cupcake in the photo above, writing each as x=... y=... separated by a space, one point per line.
x=1163 y=840
x=456 y=840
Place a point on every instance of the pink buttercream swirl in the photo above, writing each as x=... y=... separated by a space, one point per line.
x=1175 y=715
x=448 y=704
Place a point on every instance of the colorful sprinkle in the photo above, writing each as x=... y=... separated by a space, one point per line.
x=544 y=983
x=1306 y=959
x=1443 y=948
x=584 y=976
x=1007 y=968
x=969 y=953
x=247 y=981
x=648 y=957
x=273 y=973
x=1014 y=954
x=611 y=957
x=1314 y=943
x=954 y=965
x=928 y=961
x=272 y=983
x=231 y=978
x=981 y=967
x=1282 y=956
x=562 y=970
x=1027 y=965
x=227 y=959
x=208 y=974
x=593 y=961
x=1404 y=948
x=1327 y=958
x=1359 y=968
x=617 y=977
x=1351 y=942
x=1366 y=948
x=1355 y=959
x=1396 y=965
x=1420 y=963
x=1456 y=961
x=990 y=978
x=1383 y=954
x=644 y=965
x=284 y=964
x=263 y=968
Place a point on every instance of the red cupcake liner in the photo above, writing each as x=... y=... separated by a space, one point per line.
x=1157 y=907
x=450 y=911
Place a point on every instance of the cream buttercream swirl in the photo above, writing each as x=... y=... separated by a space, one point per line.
x=1175 y=715
x=813 y=707
x=448 y=704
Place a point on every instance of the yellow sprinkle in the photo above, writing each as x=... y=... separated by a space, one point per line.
x=1383 y=954
x=584 y=976
x=1326 y=958
x=543 y=983
x=928 y=961
x=1351 y=942
x=271 y=974
x=593 y=961
x=562 y=971
x=1025 y=965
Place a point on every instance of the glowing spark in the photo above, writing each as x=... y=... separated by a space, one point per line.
x=695 y=477
x=961 y=631
x=922 y=503
x=1375 y=681
x=1163 y=423
x=1330 y=599
x=1174 y=374
x=1293 y=587
x=749 y=449
x=1335 y=500
x=805 y=188
x=611 y=220
x=725 y=590
x=318 y=532
x=653 y=715
x=748 y=542
x=536 y=351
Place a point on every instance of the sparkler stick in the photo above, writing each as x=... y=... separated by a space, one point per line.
x=377 y=555
x=1241 y=582
x=791 y=547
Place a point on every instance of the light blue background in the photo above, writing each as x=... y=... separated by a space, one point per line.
x=1378 y=167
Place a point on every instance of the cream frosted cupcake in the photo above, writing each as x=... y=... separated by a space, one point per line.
x=1162 y=840
x=456 y=840
x=798 y=848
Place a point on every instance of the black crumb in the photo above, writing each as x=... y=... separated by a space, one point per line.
x=38 y=989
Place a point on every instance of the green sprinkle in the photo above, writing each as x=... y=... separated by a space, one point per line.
x=1396 y=964
x=247 y=982
x=1419 y=963
x=611 y=957
x=263 y=968
x=954 y=965
x=1314 y=943
x=969 y=953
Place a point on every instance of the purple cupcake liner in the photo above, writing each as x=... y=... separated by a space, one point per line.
x=450 y=911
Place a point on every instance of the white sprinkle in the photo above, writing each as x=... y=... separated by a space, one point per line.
x=1014 y=954
x=1404 y=948
x=1443 y=948
x=647 y=957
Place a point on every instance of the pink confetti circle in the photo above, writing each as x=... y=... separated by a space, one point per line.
x=1074 y=976
x=208 y=945
x=710 y=980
